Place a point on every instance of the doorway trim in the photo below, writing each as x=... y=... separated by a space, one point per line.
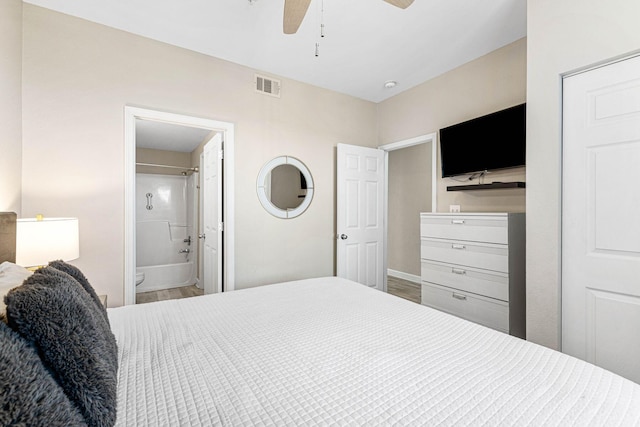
x=130 y=115
x=398 y=145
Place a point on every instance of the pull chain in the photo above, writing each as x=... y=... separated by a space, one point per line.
x=322 y=19
x=317 y=52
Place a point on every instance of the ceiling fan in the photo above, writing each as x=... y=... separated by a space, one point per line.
x=294 y=11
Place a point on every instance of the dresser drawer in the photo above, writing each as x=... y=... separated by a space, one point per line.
x=476 y=228
x=482 y=282
x=485 y=311
x=470 y=254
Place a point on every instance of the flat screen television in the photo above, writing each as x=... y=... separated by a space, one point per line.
x=494 y=141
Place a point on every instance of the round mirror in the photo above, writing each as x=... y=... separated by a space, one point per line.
x=285 y=187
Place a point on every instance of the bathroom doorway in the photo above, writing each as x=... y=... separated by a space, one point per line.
x=163 y=219
x=410 y=189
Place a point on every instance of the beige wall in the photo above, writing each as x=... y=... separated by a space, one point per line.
x=195 y=154
x=562 y=36
x=10 y=105
x=409 y=194
x=162 y=157
x=78 y=76
x=488 y=84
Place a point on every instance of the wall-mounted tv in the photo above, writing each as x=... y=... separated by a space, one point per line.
x=494 y=141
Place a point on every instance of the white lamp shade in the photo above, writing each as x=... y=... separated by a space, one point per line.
x=41 y=241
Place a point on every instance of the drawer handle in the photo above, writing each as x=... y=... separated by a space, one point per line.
x=454 y=246
x=458 y=296
x=458 y=271
x=457 y=221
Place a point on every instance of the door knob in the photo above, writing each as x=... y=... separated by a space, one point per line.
x=344 y=236
x=201 y=236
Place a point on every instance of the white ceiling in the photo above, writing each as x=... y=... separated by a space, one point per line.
x=167 y=136
x=367 y=41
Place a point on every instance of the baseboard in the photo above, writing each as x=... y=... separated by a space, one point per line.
x=404 y=276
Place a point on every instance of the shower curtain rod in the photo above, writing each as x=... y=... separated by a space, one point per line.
x=193 y=169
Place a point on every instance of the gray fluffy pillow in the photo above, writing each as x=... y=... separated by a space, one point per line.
x=52 y=310
x=75 y=272
x=29 y=396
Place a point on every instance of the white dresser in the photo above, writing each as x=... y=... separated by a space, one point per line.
x=473 y=266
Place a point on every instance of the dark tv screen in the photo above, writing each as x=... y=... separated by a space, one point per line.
x=494 y=141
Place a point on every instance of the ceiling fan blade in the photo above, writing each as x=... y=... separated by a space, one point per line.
x=402 y=4
x=294 y=11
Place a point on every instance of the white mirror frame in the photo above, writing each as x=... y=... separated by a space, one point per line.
x=262 y=190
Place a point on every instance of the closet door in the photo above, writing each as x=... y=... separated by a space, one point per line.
x=601 y=217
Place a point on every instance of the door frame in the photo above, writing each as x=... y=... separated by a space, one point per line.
x=398 y=145
x=132 y=113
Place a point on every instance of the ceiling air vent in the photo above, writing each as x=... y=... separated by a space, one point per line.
x=267 y=85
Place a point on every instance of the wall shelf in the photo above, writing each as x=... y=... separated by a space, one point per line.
x=492 y=186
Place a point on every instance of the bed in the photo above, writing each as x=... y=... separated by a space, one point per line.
x=329 y=351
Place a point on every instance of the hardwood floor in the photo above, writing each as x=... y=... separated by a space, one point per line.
x=395 y=286
x=165 y=294
x=404 y=289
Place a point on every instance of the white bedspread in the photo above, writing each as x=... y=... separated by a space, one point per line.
x=332 y=352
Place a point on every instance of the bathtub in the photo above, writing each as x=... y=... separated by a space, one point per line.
x=158 y=256
x=158 y=277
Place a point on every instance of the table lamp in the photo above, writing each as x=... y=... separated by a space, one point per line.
x=40 y=240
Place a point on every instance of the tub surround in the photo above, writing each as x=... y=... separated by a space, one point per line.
x=166 y=225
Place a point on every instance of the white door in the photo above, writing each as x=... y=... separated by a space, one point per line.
x=212 y=215
x=360 y=215
x=601 y=217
